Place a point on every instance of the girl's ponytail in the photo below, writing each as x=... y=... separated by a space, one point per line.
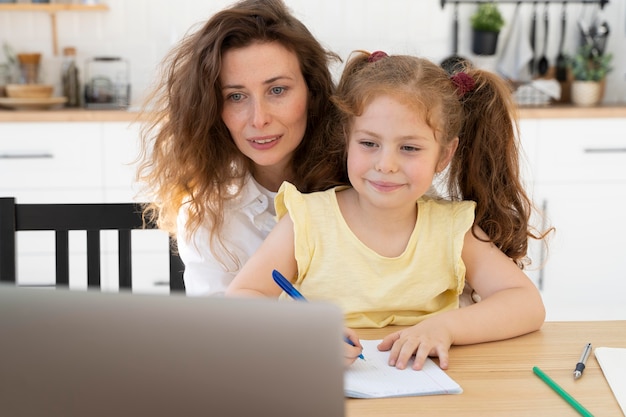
x=486 y=169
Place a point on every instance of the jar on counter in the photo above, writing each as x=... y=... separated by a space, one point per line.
x=106 y=83
x=69 y=78
x=5 y=78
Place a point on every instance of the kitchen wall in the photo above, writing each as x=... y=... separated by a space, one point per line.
x=142 y=31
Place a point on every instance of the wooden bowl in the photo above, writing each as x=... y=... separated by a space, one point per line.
x=29 y=90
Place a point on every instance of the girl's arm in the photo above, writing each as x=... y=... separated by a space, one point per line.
x=276 y=252
x=510 y=306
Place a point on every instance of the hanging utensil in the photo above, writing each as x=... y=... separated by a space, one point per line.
x=587 y=39
x=454 y=63
x=533 y=39
x=599 y=31
x=602 y=34
x=561 y=61
x=542 y=65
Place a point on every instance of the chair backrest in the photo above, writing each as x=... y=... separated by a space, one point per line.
x=92 y=218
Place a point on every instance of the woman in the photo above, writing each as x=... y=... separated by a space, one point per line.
x=243 y=106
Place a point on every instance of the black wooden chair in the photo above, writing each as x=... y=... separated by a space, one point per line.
x=91 y=218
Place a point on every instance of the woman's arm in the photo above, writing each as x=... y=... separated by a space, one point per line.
x=276 y=252
x=510 y=306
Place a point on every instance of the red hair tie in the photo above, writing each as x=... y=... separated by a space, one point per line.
x=464 y=83
x=375 y=56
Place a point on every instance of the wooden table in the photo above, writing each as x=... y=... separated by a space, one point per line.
x=497 y=378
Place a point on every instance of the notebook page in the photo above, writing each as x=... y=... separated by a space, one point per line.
x=613 y=364
x=374 y=378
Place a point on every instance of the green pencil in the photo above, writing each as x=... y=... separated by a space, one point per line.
x=571 y=401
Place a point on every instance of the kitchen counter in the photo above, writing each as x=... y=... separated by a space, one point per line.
x=573 y=112
x=68 y=115
x=84 y=115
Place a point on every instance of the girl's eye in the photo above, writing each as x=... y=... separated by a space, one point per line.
x=410 y=148
x=277 y=90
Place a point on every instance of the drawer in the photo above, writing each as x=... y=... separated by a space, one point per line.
x=122 y=146
x=150 y=259
x=528 y=149
x=583 y=150
x=44 y=155
x=42 y=241
x=150 y=272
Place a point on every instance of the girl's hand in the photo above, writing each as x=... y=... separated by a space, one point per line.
x=422 y=340
x=351 y=352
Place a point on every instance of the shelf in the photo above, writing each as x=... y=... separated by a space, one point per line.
x=52 y=9
x=602 y=3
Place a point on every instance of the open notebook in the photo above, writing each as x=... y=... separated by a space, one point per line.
x=374 y=378
x=613 y=364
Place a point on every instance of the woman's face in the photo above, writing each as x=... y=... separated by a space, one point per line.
x=265 y=107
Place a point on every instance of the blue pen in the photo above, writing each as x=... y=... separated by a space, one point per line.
x=291 y=291
x=286 y=286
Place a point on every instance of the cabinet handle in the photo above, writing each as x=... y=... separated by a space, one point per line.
x=542 y=254
x=41 y=155
x=605 y=150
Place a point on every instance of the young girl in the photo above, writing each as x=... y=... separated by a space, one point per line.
x=243 y=106
x=385 y=251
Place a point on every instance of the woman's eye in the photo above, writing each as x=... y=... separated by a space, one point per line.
x=367 y=144
x=277 y=90
x=235 y=97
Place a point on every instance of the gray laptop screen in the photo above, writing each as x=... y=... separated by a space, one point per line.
x=76 y=353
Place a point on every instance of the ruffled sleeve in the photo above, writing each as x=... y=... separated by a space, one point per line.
x=290 y=200
x=462 y=221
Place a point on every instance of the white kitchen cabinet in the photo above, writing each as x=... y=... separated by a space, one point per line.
x=580 y=181
x=529 y=131
x=78 y=162
x=120 y=155
x=120 y=161
x=585 y=273
x=51 y=162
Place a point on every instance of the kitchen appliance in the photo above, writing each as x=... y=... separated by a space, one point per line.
x=543 y=64
x=455 y=62
x=106 y=83
x=561 y=59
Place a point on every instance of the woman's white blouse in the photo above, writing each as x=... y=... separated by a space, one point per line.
x=247 y=222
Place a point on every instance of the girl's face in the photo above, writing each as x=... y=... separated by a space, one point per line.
x=393 y=155
x=265 y=106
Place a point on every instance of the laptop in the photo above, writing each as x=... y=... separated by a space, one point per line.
x=83 y=353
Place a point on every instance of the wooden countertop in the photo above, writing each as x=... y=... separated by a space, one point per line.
x=84 y=115
x=497 y=377
x=573 y=112
x=68 y=115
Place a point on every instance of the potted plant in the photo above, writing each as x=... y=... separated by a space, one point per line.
x=486 y=23
x=589 y=69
